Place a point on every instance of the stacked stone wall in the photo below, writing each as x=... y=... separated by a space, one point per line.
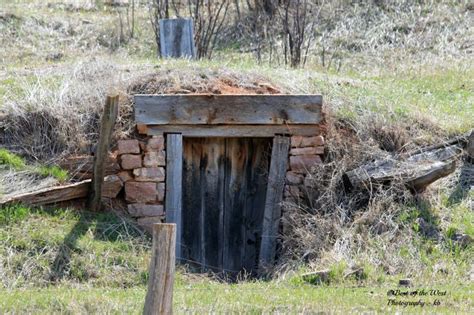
x=142 y=170
x=305 y=153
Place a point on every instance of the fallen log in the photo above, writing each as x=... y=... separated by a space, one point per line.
x=51 y=195
x=417 y=170
x=111 y=188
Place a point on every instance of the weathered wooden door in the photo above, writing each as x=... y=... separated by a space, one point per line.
x=224 y=187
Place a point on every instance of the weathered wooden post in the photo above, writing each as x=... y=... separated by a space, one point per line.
x=272 y=212
x=177 y=38
x=159 y=297
x=106 y=129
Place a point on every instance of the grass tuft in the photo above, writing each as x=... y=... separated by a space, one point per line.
x=53 y=171
x=11 y=160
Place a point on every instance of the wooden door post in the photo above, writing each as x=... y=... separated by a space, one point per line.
x=174 y=185
x=106 y=129
x=159 y=297
x=272 y=212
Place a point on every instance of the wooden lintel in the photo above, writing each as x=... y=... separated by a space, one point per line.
x=243 y=131
x=228 y=109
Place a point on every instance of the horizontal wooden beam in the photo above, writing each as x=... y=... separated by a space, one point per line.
x=235 y=130
x=228 y=109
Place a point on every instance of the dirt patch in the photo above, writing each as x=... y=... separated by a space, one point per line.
x=202 y=82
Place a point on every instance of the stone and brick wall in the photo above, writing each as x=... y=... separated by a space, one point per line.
x=142 y=170
x=305 y=153
x=143 y=164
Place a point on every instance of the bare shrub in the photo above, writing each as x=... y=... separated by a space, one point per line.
x=43 y=122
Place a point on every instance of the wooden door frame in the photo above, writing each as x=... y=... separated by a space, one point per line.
x=204 y=115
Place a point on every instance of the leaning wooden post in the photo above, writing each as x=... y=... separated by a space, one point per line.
x=159 y=297
x=106 y=128
x=272 y=211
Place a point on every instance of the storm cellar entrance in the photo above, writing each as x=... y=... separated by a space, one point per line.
x=224 y=189
x=225 y=160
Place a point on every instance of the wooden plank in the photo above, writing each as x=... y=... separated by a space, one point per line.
x=228 y=109
x=109 y=117
x=51 y=195
x=192 y=203
x=417 y=170
x=212 y=189
x=244 y=131
x=174 y=178
x=159 y=297
x=260 y=151
x=272 y=212
x=177 y=38
x=235 y=189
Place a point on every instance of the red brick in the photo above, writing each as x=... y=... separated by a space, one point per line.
x=125 y=176
x=307 y=151
x=149 y=174
x=128 y=146
x=131 y=161
x=161 y=191
x=312 y=141
x=139 y=192
x=155 y=143
x=112 y=186
x=293 y=178
x=303 y=163
x=144 y=210
x=296 y=141
x=154 y=158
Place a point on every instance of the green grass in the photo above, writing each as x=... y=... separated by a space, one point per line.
x=53 y=171
x=194 y=296
x=11 y=160
x=17 y=163
x=65 y=261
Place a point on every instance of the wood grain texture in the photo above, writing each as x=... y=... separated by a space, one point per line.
x=159 y=297
x=244 y=131
x=417 y=170
x=51 y=195
x=227 y=109
x=174 y=177
x=224 y=185
x=109 y=117
x=272 y=213
x=177 y=38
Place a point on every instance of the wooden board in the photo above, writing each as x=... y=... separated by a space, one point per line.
x=247 y=131
x=228 y=109
x=224 y=185
x=51 y=195
x=274 y=195
x=174 y=171
x=109 y=117
x=177 y=38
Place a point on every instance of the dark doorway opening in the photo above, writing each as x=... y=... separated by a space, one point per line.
x=224 y=190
